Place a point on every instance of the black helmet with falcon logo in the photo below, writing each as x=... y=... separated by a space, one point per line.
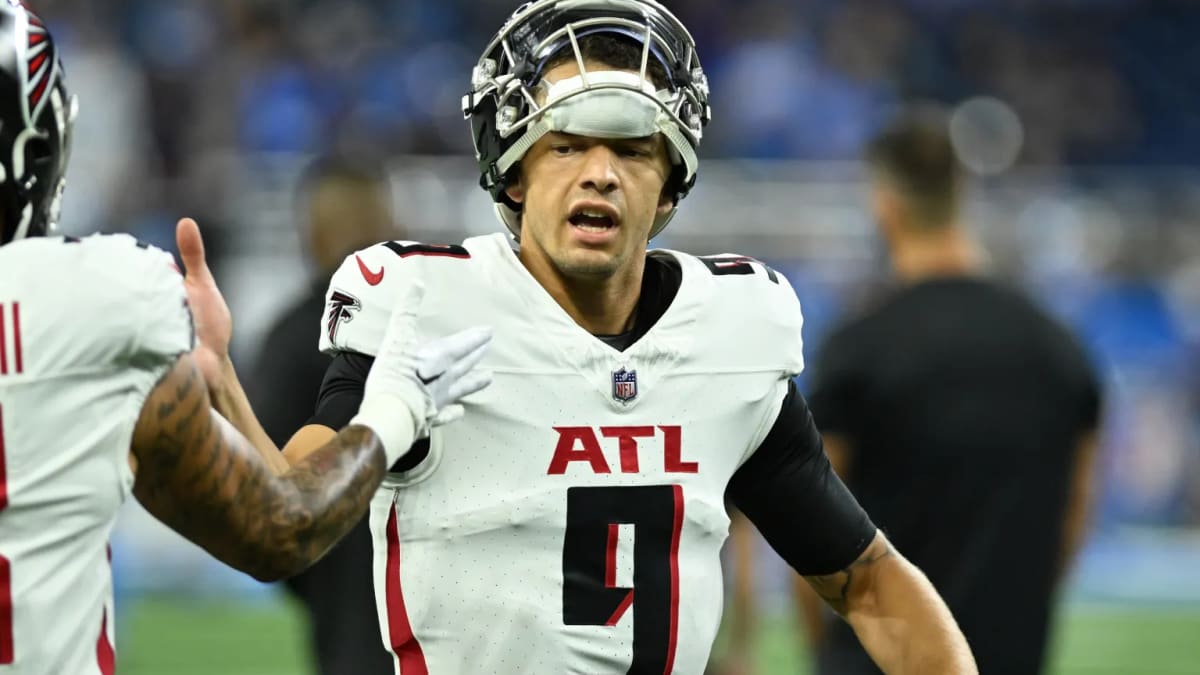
x=36 y=114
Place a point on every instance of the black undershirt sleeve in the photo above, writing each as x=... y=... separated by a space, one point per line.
x=342 y=390
x=341 y=395
x=791 y=494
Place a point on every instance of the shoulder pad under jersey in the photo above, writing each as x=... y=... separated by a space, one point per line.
x=753 y=311
x=362 y=292
x=116 y=300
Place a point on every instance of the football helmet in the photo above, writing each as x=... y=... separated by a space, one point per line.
x=509 y=110
x=36 y=114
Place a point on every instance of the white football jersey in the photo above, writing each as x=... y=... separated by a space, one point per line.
x=87 y=327
x=572 y=521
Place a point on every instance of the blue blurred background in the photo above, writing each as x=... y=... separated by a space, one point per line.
x=1079 y=119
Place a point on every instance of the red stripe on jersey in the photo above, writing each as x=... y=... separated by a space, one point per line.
x=17 y=336
x=3 y=474
x=105 y=657
x=676 y=530
x=3 y=344
x=6 y=629
x=621 y=609
x=404 y=643
x=610 y=556
x=6 y=613
x=36 y=38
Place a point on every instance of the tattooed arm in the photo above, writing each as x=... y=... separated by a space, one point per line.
x=201 y=477
x=896 y=613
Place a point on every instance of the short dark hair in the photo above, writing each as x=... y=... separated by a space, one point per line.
x=614 y=51
x=915 y=154
x=340 y=167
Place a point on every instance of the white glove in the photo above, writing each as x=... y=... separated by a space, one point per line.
x=411 y=388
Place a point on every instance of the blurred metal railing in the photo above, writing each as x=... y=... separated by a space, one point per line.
x=1112 y=221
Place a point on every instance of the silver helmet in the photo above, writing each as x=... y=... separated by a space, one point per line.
x=509 y=108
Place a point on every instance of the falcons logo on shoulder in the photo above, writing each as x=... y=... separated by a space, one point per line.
x=341 y=309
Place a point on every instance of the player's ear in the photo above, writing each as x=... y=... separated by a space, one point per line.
x=666 y=200
x=516 y=188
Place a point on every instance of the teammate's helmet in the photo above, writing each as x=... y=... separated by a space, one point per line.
x=36 y=113
x=508 y=112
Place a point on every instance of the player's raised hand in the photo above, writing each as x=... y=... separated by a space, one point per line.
x=426 y=380
x=214 y=324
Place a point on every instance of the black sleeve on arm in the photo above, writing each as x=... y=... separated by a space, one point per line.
x=342 y=394
x=342 y=390
x=791 y=494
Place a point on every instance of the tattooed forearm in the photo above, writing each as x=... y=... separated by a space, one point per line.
x=333 y=487
x=836 y=588
x=197 y=474
x=896 y=614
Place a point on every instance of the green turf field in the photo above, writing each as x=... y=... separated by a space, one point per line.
x=189 y=638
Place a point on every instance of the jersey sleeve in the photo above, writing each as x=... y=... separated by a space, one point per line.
x=360 y=299
x=167 y=328
x=752 y=320
x=134 y=302
x=790 y=324
x=788 y=489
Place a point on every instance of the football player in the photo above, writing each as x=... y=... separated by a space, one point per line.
x=100 y=397
x=571 y=523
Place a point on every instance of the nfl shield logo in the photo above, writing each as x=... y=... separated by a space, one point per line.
x=624 y=385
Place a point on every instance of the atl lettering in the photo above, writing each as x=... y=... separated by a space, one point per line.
x=582 y=444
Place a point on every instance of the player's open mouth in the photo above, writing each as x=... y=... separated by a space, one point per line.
x=592 y=222
x=593 y=218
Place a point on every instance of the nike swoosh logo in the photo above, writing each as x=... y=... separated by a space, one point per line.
x=373 y=278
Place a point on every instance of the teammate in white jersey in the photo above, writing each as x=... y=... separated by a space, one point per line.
x=100 y=397
x=571 y=523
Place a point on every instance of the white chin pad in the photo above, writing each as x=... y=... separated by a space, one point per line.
x=615 y=104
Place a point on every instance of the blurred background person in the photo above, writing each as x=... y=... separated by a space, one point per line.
x=961 y=413
x=343 y=205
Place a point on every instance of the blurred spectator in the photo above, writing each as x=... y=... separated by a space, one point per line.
x=110 y=149
x=346 y=206
x=962 y=417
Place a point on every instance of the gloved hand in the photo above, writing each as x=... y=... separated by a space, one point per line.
x=412 y=388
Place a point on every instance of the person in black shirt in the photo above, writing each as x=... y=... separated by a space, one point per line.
x=961 y=416
x=346 y=207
